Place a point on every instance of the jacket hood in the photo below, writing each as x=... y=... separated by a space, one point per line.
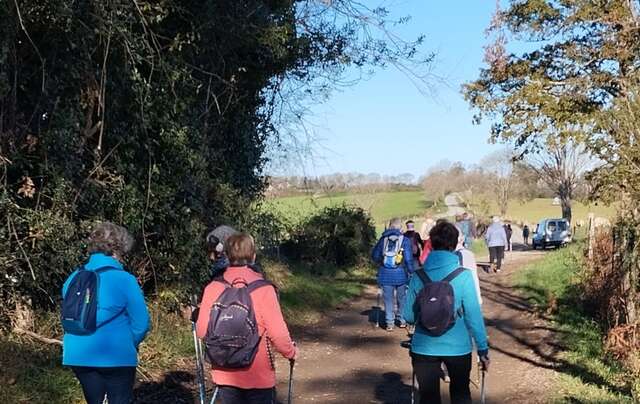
x=392 y=232
x=440 y=259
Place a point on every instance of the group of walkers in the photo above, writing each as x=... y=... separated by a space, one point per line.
x=433 y=285
x=105 y=319
x=428 y=281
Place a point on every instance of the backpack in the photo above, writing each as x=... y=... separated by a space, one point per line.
x=436 y=304
x=392 y=252
x=232 y=336
x=80 y=303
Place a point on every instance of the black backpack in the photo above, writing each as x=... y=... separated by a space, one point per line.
x=436 y=304
x=80 y=303
x=232 y=336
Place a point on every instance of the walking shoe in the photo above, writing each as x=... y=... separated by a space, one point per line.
x=403 y=325
x=389 y=328
x=498 y=271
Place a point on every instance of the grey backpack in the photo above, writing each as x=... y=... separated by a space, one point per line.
x=232 y=336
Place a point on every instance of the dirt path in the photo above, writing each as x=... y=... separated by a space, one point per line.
x=345 y=359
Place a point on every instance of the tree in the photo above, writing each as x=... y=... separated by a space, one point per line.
x=584 y=54
x=158 y=115
x=498 y=168
x=562 y=167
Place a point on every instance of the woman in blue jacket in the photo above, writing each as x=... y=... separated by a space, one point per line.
x=453 y=348
x=105 y=361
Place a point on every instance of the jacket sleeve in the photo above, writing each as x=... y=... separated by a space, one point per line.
x=209 y=297
x=408 y=255
x=473 y=314
x=137 y=311
x=277 y=330
x=408 y=312
x=503 y=235
x=426 y=249
x=376 y=253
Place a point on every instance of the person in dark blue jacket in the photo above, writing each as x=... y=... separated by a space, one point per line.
x=392 y=279
x=454 y=347
x=105 y=361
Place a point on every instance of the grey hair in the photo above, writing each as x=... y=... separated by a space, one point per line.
x=110 y=239
x=395 y=223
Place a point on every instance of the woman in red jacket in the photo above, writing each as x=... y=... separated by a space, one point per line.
x=256 y=383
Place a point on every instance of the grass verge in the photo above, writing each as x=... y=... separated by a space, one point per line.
x=587 y=375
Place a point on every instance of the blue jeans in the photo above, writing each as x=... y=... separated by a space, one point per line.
x=116 y=383
x=388 y=294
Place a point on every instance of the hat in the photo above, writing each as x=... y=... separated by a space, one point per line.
x=219 y=236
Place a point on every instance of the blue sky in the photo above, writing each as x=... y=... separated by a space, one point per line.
x=386 y=125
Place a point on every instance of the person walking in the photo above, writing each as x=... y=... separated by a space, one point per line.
x=393 y=254
x=254 y=384
x=453 y=347
x=468 y=261
x=466 y=226
x=105 y=360
x=525 y=234
x=496 y=238
x=509 y=231
x=416 y=242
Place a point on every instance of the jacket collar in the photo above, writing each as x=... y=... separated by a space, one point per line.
x=100 y=260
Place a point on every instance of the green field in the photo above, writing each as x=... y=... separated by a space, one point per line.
x=414 y=204
x=532 y=211
x=382 y=205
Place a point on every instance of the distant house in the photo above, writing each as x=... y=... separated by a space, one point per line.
x=556 y=201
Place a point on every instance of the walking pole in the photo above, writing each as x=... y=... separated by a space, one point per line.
x=198 y=348
x=215 y=394
x=413 y=387
x=378 y=308
x=291 y=364
x=483 y=393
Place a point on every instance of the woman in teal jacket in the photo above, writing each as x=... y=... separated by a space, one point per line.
x=454 y=347
x=105 y=361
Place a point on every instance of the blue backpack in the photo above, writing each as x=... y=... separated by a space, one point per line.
x=80 y=303
x=392 y=251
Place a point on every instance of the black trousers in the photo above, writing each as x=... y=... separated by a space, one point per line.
x=496 y=254
x=234 y=395
x=116 y=383
x=428 y=371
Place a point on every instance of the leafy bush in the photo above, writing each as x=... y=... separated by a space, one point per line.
x=338 y=236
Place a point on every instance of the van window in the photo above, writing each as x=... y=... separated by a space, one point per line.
x=551 y=226
x=562 y=226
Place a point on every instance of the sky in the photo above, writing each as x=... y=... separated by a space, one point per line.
x=386 y=125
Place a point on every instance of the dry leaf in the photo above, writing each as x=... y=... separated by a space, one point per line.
x=28 y=188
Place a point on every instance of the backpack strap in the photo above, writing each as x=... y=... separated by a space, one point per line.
x=453 y=274
x=259 y=284
x=423 y=276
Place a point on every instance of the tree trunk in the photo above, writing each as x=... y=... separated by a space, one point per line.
x=564 y=193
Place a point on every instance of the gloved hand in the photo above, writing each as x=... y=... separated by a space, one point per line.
x=485 y=362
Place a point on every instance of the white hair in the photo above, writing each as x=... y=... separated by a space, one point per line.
x=496 y=219
x=395 y=223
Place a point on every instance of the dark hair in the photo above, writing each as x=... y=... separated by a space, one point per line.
x=409 y=221
x=444 y=236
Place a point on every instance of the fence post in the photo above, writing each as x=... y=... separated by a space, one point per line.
x=592 y=235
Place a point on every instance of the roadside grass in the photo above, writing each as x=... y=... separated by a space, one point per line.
x=587 y=375
x=32 y=371
x=479 y=248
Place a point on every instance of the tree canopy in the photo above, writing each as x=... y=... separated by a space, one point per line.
x=156 y=115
